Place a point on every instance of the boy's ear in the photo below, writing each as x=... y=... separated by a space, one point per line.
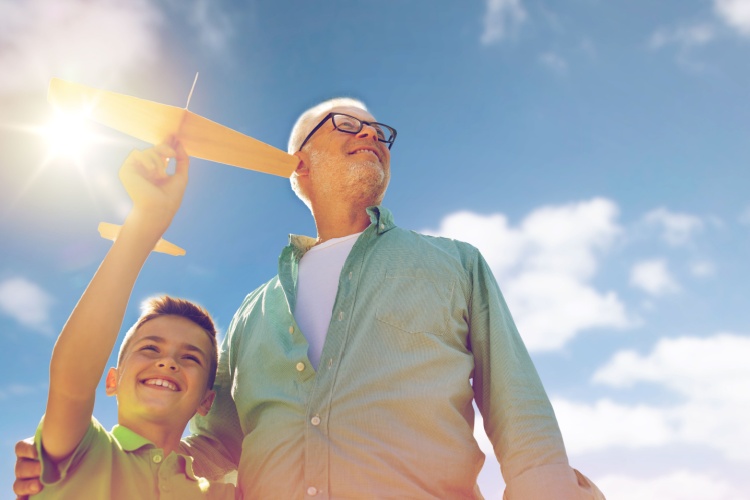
x=110 y=383
x=205 y=405
x=302 y=167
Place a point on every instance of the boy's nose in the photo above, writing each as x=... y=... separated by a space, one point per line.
x=167 y=363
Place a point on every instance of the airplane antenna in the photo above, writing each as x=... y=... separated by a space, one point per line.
x=191 y=90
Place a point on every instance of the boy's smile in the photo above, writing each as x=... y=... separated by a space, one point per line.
x=161 y=382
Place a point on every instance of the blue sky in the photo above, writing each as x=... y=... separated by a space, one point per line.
x=596 y=152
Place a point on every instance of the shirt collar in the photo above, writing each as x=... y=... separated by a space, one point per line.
x=380 y=217
x=129 y=440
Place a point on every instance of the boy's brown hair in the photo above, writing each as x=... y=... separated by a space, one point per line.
x=165 y=305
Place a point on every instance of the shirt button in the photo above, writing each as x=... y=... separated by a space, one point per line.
x=312 y=491
x=315 y=420
x=382 y=226
x=300 y=366
x=291 y=329
x=350 y=275
x=157 y=459
x=341 y=315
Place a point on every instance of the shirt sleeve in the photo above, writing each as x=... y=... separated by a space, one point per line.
x=216 y=440
x=53 y=472
x=518 y=417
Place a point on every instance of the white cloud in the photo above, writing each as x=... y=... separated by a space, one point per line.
x=15 y=390
x=75 y=39
x=545 y=266
x=709 y=378
x=501 y=19
x=599 y=425
x=683 y=36
x=702 y=268
x=676 y=228
x=735 y=13
x=696 y=367
x=745 y=217
x=26 y=303
x=678 y=485
x=653 y=277
x=554 y=62
x=213 y=25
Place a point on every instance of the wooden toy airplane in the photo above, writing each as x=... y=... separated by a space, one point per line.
x=153 y=122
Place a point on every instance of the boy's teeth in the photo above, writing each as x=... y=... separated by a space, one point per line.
x=161 y=383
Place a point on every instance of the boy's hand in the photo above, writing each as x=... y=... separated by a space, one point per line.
x=28 y=470
x=156 y=194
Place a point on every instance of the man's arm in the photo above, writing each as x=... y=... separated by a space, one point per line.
x=95 y=322
x=28 y=469
x=518 y=417
x=216 y=442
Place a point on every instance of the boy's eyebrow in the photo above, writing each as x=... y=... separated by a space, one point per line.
x=185 y=345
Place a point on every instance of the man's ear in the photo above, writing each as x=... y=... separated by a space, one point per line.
x=302 y=167
x=110 y=383
x=205 y=405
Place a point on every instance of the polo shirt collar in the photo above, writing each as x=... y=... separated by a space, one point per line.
x=131 y=441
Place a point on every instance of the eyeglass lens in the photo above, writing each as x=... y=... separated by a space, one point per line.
x=352 y=125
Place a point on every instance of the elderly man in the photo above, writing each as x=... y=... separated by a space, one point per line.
x=352 y=372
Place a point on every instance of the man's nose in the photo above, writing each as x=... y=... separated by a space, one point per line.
x=368 y=131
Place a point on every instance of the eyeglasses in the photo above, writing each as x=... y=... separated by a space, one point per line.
x=353 y=125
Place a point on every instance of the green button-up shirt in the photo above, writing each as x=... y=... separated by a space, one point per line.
x=419 y=330
x=123 y=465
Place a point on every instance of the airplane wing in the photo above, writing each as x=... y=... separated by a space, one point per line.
x=111 y=231
x=153 y=122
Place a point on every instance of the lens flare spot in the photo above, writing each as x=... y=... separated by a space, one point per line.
x=68 y=135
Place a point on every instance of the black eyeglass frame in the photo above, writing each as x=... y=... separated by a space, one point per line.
x=362 y=123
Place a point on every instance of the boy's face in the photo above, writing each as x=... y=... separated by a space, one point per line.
x=163 y=375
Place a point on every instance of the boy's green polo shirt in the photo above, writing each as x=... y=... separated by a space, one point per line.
x=122 y=464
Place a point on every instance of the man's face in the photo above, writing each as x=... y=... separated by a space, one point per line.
x=163 y=376
x=354 y=164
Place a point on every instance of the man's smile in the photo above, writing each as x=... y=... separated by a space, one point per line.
x=367 y=149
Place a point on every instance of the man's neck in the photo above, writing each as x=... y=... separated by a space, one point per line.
x=339 y=221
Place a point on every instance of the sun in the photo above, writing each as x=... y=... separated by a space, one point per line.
x=68 y=135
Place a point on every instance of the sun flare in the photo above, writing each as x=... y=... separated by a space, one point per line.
x=68 y=135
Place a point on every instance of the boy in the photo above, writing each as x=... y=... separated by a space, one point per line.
x=165 y=369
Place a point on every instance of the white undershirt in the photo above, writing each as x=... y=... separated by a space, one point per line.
x=318 y=282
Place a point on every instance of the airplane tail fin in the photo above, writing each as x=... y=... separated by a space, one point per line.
x=110 y=231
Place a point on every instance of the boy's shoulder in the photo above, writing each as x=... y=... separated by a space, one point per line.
x=123 y=458
x=96 y=445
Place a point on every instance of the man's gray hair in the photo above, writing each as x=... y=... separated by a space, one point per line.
x=309 y=118
x=305 y=124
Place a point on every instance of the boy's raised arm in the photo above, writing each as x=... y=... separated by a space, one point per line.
x=85 y=343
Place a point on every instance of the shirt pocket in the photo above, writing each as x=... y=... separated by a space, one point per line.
x=416 y=301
